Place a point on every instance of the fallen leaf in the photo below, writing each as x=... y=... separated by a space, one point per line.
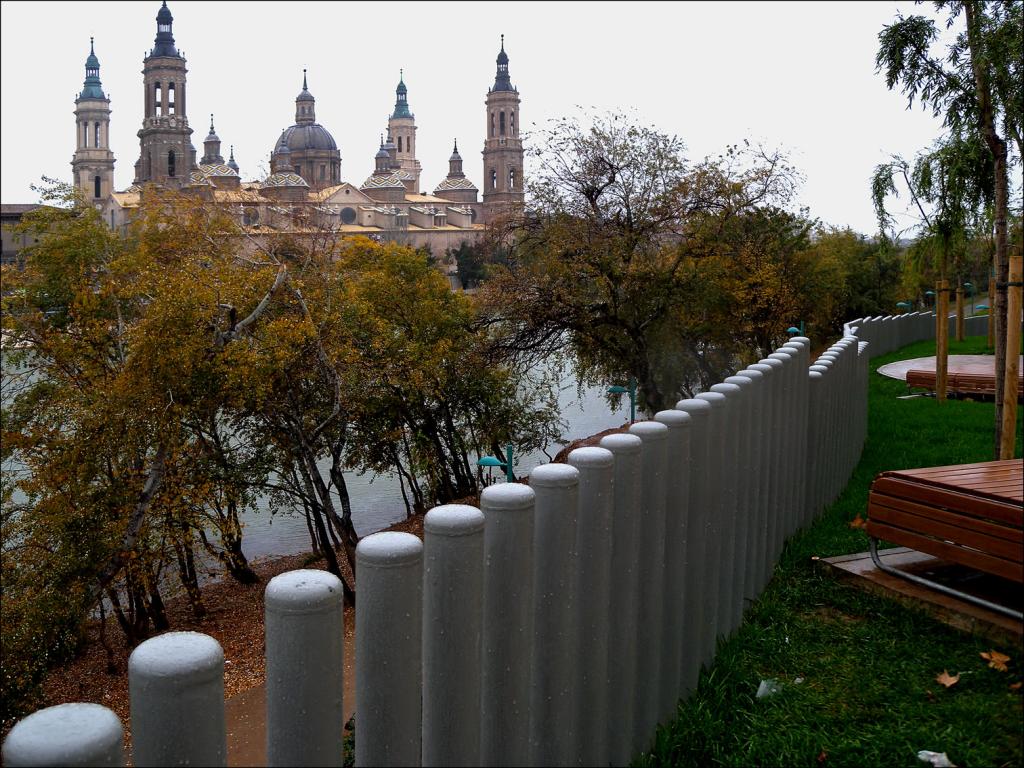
x=822 y=756
x=858 y=522
x=1015 y=686
x=996 y=660
x=946 y=679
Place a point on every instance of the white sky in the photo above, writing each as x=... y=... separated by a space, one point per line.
x=794 y=75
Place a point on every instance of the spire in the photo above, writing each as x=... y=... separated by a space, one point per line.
x=211 y=146
x=164 y=37
x=401 y=98
x=455 y=163
x=231 y=160
x=305 y=104
x=92 y=88
x=501 y=78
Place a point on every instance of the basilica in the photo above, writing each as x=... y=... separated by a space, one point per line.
x=305 y=191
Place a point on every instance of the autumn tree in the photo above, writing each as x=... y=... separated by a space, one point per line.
x=607 y=260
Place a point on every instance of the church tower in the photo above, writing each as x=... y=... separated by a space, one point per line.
x=402 y=130
x=93 y=163
x=166 y=149
x=211 y=147
x=503 y=149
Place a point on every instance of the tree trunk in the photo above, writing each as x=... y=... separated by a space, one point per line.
x=959 y=312
x=1007 y=445
x=991 y=312
x=997 y=146
x=942 y=340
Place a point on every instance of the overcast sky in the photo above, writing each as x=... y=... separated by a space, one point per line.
x=799 y=76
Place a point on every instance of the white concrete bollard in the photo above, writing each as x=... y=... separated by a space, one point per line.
x=731 y=514
x=775 y=475
x=624 y=600
x=453 y=584
x=677 y=488
x=745 y=493
x=176 y=687
x=756 y=476
x=66 y=734
x=593 y=590
x=508 y=624
x=389 y=661
x=553 y=704
x=652 y=575
x=697 y=634
x=714 y=612
x=305 y=656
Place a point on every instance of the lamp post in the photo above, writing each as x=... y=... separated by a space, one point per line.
x=631 y=391
x=929 y=296
x=903 y=305
x=970 y=292
x=491 y=461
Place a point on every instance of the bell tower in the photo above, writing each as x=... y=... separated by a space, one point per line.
x=402 y=130
x=503 y=149
x=164 y=139
x=93 y=163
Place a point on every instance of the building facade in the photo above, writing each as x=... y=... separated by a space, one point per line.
x=305 y=188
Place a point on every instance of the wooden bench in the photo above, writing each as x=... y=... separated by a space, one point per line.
x=970 y=514
x=959 y=383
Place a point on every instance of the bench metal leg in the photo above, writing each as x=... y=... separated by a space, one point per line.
x=873 y=546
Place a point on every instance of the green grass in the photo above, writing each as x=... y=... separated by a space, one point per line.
x=868 y=696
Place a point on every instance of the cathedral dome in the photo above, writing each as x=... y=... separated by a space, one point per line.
x=307 y=136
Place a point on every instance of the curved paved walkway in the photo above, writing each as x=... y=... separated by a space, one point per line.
x=980 y=364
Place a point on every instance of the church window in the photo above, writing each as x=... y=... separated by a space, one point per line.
x=399 y=143
x=512 y=123
x=170 y=99
x=494 y=179
x=97 y=127
x=511 y=178
x=323 y=171
x=170 y=163
x=501 y=123
x=298 y=169
x=159 y=102
x=85 y=134
x=348 y=215
x=96 y=187
x=492 y=123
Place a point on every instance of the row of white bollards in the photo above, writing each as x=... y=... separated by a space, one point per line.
x=558 y=624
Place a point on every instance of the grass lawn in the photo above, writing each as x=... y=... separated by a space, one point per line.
x=868 y=695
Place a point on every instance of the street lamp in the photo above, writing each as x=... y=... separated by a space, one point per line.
x=930 y=296
x=631 y=391
x=792 y=330
x=491 y=461
x=904 y=305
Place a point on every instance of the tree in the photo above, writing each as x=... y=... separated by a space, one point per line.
x=179 y=374
x=949 y=185
x=977 y=86
x=608 y=259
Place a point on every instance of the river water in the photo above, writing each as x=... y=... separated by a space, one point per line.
x=377 y=499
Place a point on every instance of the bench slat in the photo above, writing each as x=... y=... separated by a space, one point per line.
x=1007 y=533
x=969 y=557
x=942 y=528
x=973 y=506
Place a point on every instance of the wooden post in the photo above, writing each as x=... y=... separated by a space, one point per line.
x=959 y=313
x=991 y=312
x=1008 y=436
x=942 y=340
